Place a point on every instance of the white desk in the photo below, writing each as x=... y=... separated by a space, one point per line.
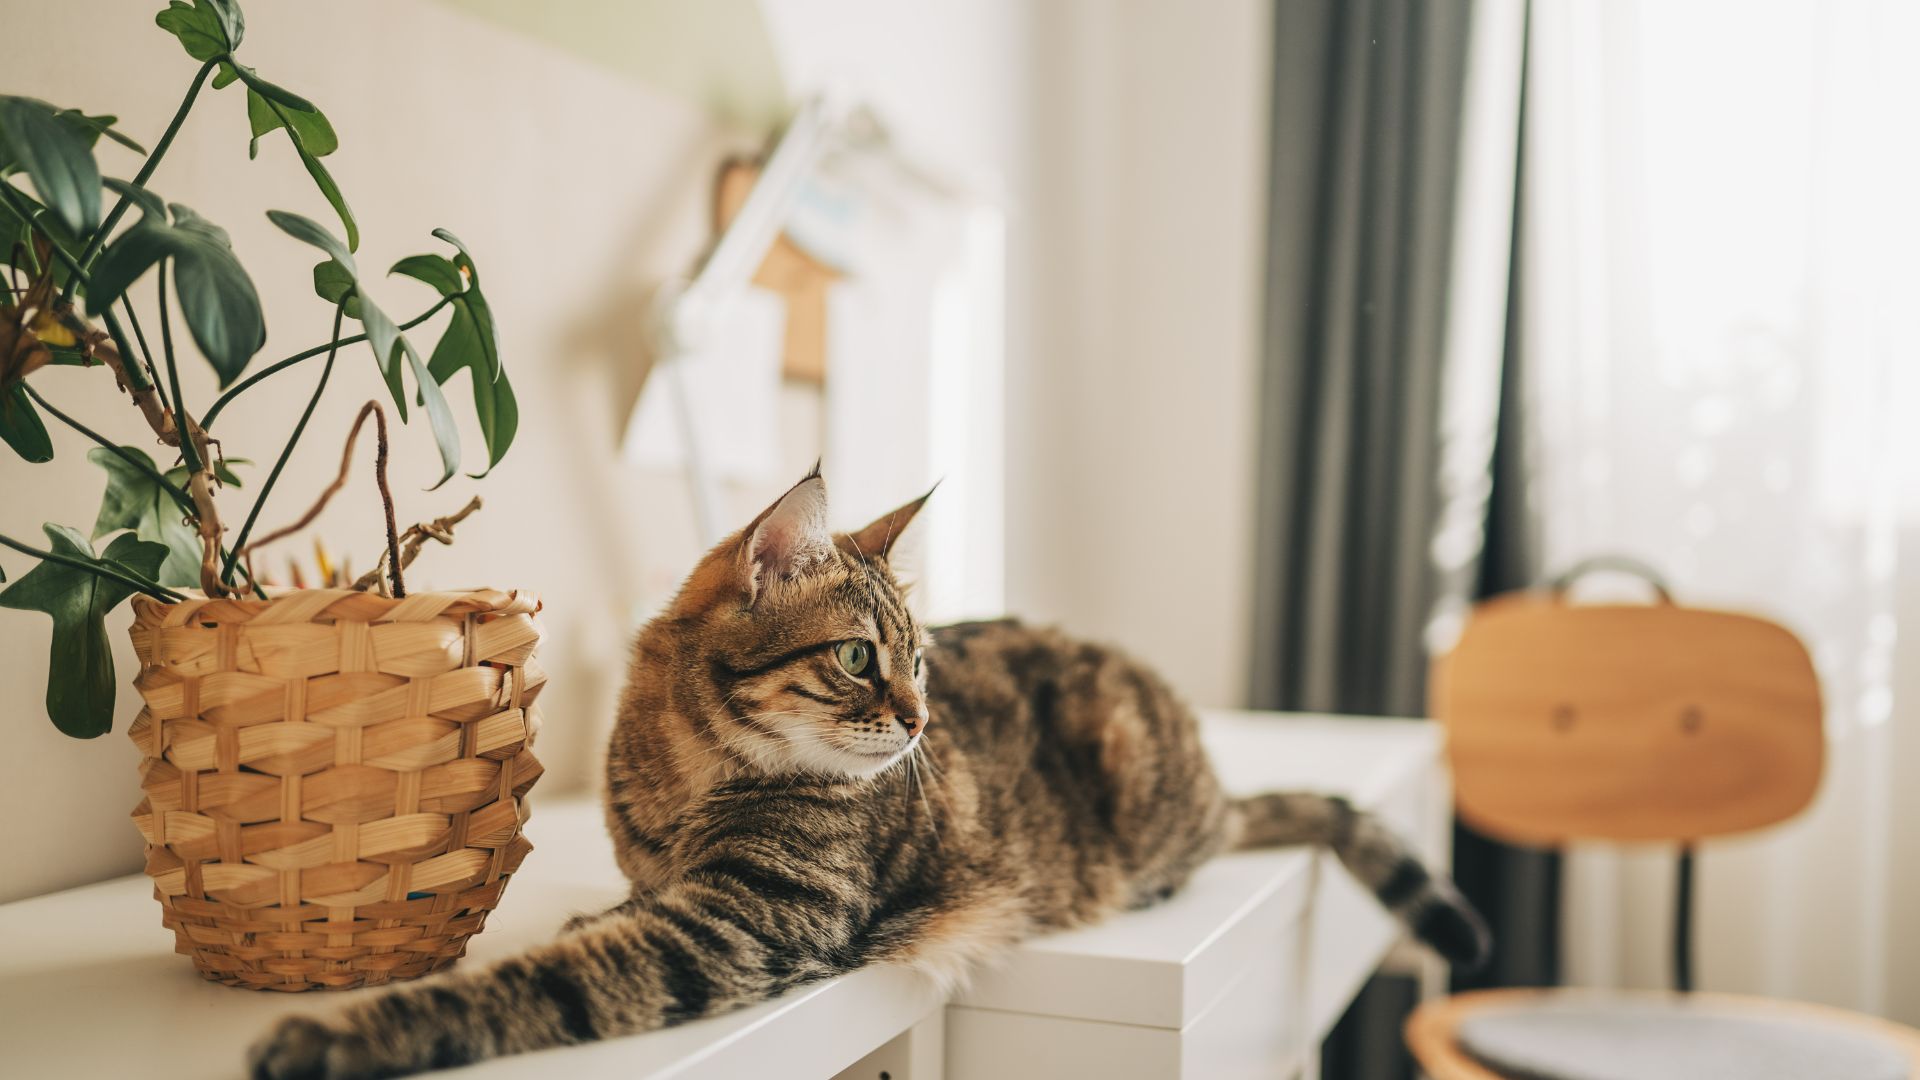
x=1239 y=975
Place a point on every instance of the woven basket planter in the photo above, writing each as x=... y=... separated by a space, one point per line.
x=334 y=779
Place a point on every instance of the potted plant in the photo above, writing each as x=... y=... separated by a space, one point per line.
x=333 y=776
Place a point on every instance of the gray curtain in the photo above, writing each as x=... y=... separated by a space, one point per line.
x=1366 y=117
x=1367 y=109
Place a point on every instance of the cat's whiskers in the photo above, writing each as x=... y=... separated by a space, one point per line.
x=924 y=750
x=913 y=773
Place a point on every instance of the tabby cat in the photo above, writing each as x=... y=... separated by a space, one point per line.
x=804 y=780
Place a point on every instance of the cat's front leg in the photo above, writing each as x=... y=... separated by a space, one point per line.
x=736 y=930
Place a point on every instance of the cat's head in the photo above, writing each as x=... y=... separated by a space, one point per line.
x=795 y=648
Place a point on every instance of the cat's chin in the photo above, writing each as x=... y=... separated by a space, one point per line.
x=864 y=765
x=845 y=762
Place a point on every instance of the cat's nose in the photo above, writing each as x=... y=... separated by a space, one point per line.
x=913 y=724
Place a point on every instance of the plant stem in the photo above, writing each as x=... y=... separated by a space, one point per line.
x=206 y=422
x=146 y=169
x=146 y=354
x=189 y=453
x=200 y=479
x=414 y=539
x=158 y=592
x=146 y=395
x=333 y=349
x=386 y=497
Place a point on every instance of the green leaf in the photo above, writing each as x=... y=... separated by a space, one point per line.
x=95 y=126
x=15 y=237
x=308 y=231
x=312 y=136
x=469 y=342
x=200 y=27
x=436 y=270
x=493 y=403
x=446 y=434
x=80 y=679
x=135 y=500
x=217 y=297
x=232 y=21
x=465 y=344
x=483 y=314
x=386 y=340
x=91 y=128
x=150 y=204
x=21 y=427
x=280 y=95
x=58 y=159
x=332 y=283
x=383 y=335
x=87 y=128
x=331 y=191
x=312 y=129
x=339 y=278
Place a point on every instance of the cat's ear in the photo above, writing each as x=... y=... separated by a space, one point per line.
x=789 y=538
x=882 y=535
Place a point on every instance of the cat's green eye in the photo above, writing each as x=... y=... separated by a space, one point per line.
x=855 y=655
x=919 y=658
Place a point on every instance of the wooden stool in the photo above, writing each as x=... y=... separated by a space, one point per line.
x=1625 y=723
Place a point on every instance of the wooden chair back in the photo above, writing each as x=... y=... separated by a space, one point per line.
x=1626 y=723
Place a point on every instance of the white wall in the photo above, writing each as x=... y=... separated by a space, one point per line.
x=1125 y=143
x=577 y=190
x=1131 y=430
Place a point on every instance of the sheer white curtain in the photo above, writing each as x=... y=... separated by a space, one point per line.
x=1721 y=296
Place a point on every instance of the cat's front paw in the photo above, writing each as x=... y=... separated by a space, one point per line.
x=300 y=1048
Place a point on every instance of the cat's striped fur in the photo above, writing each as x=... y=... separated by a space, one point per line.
x=785 y=820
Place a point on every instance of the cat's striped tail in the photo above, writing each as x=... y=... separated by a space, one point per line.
x=1383 y=862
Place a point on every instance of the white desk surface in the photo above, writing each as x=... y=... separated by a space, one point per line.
x=90 y=985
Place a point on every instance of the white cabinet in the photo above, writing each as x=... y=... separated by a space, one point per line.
x=1243 y=972
x=1240 y=975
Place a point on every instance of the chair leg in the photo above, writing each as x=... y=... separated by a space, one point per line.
x=1683 y=921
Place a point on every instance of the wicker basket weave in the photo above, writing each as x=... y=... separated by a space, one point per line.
x=334 y=779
